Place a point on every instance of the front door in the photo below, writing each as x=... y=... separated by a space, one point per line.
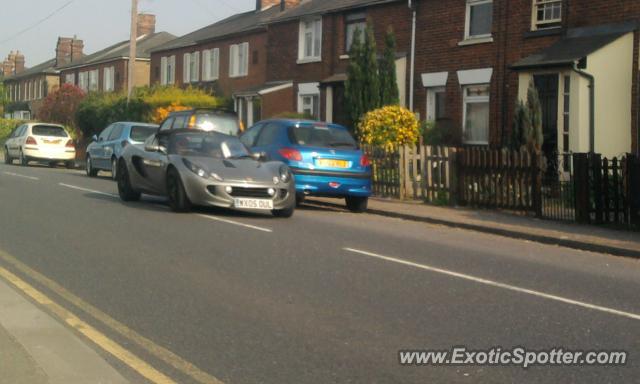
x=340 y=114
x=547 y=86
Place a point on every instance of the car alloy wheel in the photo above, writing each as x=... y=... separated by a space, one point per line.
x=178 y=200
x=90 y=171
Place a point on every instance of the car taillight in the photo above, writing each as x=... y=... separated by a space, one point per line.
x=70 y=144
x=290 y=154
x=31 y=141
x=364 y=161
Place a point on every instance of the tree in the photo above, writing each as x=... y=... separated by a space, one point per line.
x=527 y=123
x=60 y=106
x=3 y=96
x=389 y=94
x=362 y=89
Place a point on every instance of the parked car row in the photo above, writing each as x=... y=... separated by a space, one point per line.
x=205 y=157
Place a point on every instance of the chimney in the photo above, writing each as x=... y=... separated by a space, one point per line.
x=76 y=49
x=146 y=24
x=284 y=4
x=63 y=51
x=9 y=65
x=19 y=66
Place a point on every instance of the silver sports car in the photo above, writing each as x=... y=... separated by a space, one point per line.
x=205 y=168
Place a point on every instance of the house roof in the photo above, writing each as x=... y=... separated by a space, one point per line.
x=319 y=7
x=48 y=67
x=576 y=45
x=233 y=25
x=121 y=50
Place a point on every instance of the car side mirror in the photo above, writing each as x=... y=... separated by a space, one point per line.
x=94 y=138
x=259 y=156
x=152 y=145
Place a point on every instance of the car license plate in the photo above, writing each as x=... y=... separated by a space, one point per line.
x=51 y=141
x=253 y=204
x=333 y=163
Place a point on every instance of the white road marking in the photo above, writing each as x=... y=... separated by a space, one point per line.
x=23 y=176
x=492 y=283
x=88 y=190
x=236 y=223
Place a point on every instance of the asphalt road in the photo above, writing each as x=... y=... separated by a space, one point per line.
x=324 y=297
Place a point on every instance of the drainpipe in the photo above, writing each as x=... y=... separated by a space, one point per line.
x=412 y=6
x=592 y=105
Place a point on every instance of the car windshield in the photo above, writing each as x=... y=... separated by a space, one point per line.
x=141 y=132
x=48 y=130
x=321 y=135
x=207 y=144
x=212 y=122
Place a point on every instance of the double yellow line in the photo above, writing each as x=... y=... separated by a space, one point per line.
x=96 y=336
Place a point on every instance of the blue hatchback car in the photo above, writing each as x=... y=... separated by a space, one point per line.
x=324 y=158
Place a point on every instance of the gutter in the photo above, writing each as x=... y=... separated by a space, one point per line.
x=592 y=105
x=412 y=5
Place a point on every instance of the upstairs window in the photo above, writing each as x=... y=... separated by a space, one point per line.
x=479 y=19
x=167 y=70
x=547 y=13
x=310 y=40
x=210 y=64
x=354 y=22
x=239 y=60
x=191 y=67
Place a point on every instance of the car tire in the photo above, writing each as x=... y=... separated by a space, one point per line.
x=71 y=164
x=125 y=190
x=52 y=164
x=114 y=169
x=299 y=199
x=357 y=204
x=24 y=160
x=91 y=172
x=284 y=213
x=178 y=199
x=7 y=159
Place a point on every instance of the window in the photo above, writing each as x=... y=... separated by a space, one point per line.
x=210 y=64
x=311 y=105
x=249 y=138
x=116 y=132
x=83 y=81
x=166 y=125
x=476 y=114
x=310 y=40
x=239 y=60
x=268 y=135
x=108 y=79
x=167 y=70
x=191 y=65
x=93 y=80
x=354 y=22
x=436 y=103
x=547 y=13
x=479 y=19
x=70 y=78
x=104 y=135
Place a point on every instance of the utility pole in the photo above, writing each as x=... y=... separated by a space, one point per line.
x=132 y=48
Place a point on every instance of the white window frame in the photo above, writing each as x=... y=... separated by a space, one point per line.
x=83 y=80
x=93 y=84
x=108 y=79
x=309 y=90
x=432 y=93
x=70 y=78
x=239 y=60
x=475 y=100
x=545 y=23
x=168 y=70
x=211 y=64
x=467 y=28
x=354 y=21
x=191 y=67
x=186 y=68
x=313 y=26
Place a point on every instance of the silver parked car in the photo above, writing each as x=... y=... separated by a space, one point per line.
x=205 y=168
x=105 y=150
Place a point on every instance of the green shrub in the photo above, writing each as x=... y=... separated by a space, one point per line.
x=157 y=97
x=6 y=126
x=437 y=133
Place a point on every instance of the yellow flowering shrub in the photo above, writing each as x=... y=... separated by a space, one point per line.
x=389 y=126
x=161 y=113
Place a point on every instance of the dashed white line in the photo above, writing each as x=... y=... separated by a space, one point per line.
x=236 y=223
x=87 y=190
x=22 y=176
x=496 y=284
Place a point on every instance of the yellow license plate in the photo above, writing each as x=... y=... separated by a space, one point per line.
x=51 y=141
x=333 y=163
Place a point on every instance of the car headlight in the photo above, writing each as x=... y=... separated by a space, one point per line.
x=198 y=170
x=285 y=174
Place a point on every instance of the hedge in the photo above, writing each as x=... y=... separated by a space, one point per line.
x=6 y=126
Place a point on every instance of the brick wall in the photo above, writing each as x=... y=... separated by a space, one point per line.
x=278 y=102
x=120 y=74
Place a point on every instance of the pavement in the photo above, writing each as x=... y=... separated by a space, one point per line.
x=218 y=296
x=576 y=236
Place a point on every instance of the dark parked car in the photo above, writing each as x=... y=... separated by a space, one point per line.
x=105 y=150
x=210 y=120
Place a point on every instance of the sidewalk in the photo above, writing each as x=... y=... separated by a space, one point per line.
x=588 y=238
x=36 y=349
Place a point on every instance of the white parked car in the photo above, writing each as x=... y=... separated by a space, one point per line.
x=48 y=143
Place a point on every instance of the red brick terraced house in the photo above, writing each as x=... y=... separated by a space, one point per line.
x=475 y=58
x=107 y=69
x=309 y=45
x=228 y=58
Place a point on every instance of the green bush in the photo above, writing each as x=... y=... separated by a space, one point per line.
x=158 y=97
x=8 y=125
x=439 y=133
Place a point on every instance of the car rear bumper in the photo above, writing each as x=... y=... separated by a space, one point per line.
x=52 y=154
x=333 y=184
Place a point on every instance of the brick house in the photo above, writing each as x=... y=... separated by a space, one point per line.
x=308 y=46
x=228 y=58
x=27 y=87
x=471 y=70
x=107 y=69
